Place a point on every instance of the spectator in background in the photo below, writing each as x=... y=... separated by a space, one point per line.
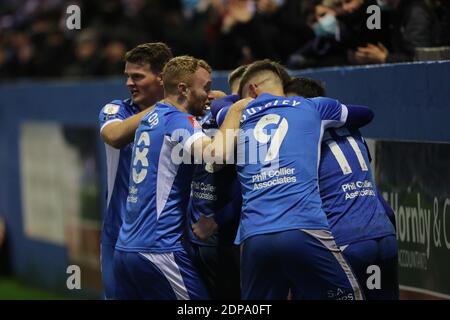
x=442 y=9
x=227 y=33
x=112 y=60
x=238 y=37
x=52 y=55
x=23 y=53
x=87 y=61
x=185 y=30
x=328 y=47
x=249 y=30
x=5 y=71
x=287 y=21
x=353 y=14
x=412 y=26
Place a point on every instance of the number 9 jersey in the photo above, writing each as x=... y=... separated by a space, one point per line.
x=278 y=157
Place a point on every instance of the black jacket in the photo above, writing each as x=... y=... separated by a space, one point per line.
x=413 y=26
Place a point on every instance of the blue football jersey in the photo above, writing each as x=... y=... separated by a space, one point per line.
x=203 y=199
x=348 y=191
x=215 y=193
x=278 y=159
x=160 y=180
x=118 y=171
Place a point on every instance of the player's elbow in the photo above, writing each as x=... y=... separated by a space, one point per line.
x=368 y=118
x=359 y=116
x=116 y=144
x=113 y=139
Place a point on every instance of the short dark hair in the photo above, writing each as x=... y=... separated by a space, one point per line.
x=236 y=74
x=156 y=54
x=264 y=65
x=305 y=87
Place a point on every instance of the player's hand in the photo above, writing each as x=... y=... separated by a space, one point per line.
x=219 y=104
x=205 y=228
x=214 y=95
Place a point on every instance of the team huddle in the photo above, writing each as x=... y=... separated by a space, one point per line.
x=266 y=193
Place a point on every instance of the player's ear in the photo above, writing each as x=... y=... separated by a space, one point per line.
x=183 y=89
x=159 y=78
x=253 y=90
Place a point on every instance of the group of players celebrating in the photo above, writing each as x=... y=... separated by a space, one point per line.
x=266 y=193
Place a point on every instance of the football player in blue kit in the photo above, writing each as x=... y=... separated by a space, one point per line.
x=150 y=259
x=284 y=233
x=214 y=211
x=119 y=120
x=215 y=208
x=358 y=215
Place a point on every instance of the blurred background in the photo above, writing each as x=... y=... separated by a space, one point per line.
x=54 y=81
x=35 y=42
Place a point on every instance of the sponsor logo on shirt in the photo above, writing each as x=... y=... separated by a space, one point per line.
x=153 y=120
x=111 y=109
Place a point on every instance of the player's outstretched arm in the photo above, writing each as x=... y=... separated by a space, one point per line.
x=222 y=145
x=120 y=133
x=334 y=114
x=358 y=116
x=219 y=104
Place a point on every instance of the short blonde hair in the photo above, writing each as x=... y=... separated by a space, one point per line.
x=181 y=69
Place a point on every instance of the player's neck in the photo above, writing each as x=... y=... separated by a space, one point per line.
x=274 y=92
x=177 y=102
x=142 y=107
x=147 y=104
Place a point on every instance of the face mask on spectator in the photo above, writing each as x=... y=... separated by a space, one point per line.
x=326 y=25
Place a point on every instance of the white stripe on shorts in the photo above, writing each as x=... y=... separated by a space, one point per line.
x=165 y=262
x=327 y=239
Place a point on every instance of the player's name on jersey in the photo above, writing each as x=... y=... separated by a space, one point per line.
x=279 y=102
